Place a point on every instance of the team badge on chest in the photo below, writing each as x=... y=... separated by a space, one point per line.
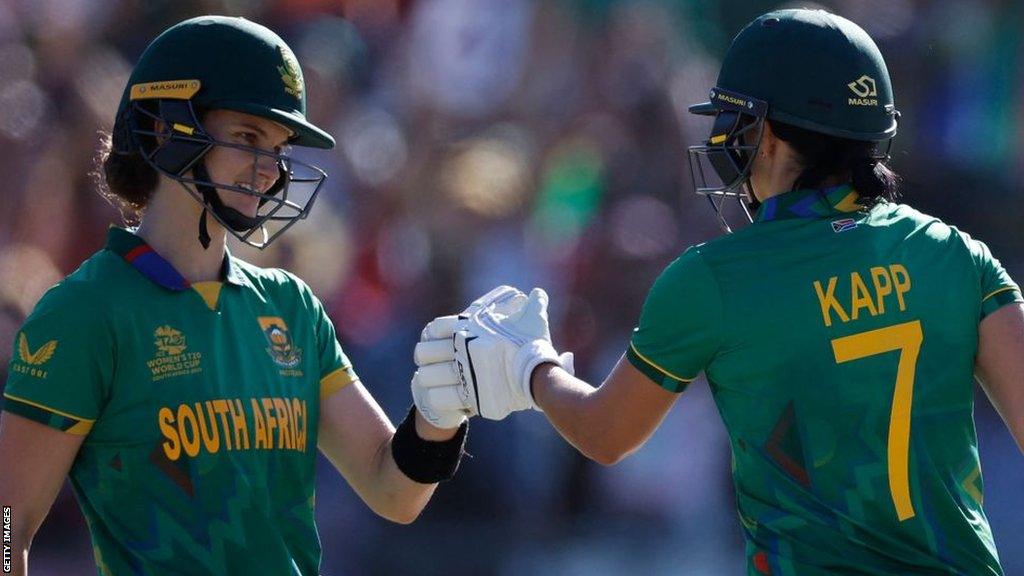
x=282 y=349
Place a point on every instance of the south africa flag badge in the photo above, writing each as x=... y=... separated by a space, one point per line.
x=843 y=225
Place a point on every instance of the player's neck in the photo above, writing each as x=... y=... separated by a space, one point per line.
x=783 y=178
x=170 y=226
x=777 y=182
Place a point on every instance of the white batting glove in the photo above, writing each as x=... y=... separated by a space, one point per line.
x=496 y=354
x=435 y=395
x=436 y=389
x=505 y=300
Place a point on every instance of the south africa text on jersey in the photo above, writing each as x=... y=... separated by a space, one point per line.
x=888 y=285
x=233 y=424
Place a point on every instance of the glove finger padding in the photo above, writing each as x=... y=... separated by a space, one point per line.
x=440 y=394
x=442 y=409
x=441 y=328
x=436 y=375
x=433 y=351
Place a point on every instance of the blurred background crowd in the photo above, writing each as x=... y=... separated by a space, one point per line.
x=528 y=142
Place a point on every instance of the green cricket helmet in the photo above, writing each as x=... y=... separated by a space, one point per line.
x=806 y=68
x=217 y=62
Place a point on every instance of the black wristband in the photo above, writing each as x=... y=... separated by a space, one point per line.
x=424 y=461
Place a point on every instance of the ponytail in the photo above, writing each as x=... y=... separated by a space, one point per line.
x=873 y=179
x=825 y=156
x=124 y=180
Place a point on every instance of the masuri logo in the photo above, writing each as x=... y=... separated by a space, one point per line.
x=863 y=86
x=865 y=89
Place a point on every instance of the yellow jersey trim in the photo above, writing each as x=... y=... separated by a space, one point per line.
x=47 y=408
x=336 y=381
x=1001 y=290
x=849 y=203
x=80 y=429
x=210 y=291
x=659 y=368
x=971 y=488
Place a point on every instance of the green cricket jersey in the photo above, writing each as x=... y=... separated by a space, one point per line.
x=199 y=403
x=839 y=345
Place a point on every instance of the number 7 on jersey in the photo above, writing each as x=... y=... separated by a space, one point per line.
x=907 y=338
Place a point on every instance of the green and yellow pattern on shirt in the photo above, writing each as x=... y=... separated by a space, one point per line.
x=199 y=403
x=839 y=345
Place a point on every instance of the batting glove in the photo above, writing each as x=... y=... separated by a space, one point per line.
x=436 y=389
x=495 y=356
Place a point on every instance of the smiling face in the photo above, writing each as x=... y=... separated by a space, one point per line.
x=241 y=167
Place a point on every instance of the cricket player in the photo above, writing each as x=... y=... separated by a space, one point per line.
x=184 y=391
x=840 y=332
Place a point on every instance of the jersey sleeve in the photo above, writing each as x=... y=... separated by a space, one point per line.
x=336 y=370
x=63 y=362
x=997 y=288
x=679 y=328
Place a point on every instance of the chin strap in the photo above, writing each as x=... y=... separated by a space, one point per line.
x=204 y=233
x=225 y=214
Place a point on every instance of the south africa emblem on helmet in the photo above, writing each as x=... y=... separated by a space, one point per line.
x=291 y=74
x=282 y=349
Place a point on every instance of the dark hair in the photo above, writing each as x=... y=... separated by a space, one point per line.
x=124 y=179
x=824 y=156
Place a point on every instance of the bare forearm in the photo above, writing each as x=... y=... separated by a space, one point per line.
x=576 y=410
x=44 y=456
x=1016 y=427
x=19 y=544
x=608 y=423
x=396 y=497
x=21 y=521
x=19 y=564
x=1009 y=407
x=1000 y=365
